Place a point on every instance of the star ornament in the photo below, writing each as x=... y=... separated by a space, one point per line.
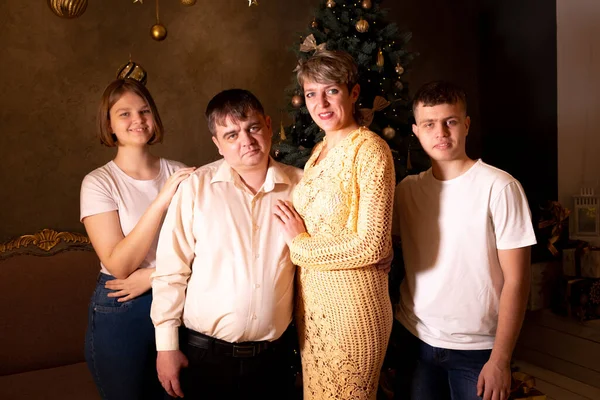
x=252 y=3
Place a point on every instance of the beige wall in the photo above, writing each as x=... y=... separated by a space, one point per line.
x=578 y=64
x=53 y=72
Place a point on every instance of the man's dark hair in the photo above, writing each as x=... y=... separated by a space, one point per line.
x=235 y=103
x=439 y=92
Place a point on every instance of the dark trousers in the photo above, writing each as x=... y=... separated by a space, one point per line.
x=215 y=373
x=425 y=372
x=119 y=346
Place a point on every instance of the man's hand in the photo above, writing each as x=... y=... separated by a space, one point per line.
x=494 y=381
x=131 y=287
x=168 y=366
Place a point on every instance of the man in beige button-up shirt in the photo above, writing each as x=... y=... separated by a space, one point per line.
x=223 y=272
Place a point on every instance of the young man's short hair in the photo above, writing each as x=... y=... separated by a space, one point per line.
x=439 y=92
x=235 y=103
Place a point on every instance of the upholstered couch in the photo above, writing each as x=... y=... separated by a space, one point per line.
x=46 y=280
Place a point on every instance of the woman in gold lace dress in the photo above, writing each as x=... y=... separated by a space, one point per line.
x=340 y=237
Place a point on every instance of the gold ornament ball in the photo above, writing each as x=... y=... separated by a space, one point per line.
x=362 y=25
x=297 y=101
x=330 y=3
x=399 y=85
x=389 y=133
x=399 y=69
x=314 y=24
x=366 y=4
x=68 y=8
x=188 y=2
x=132 y=70
x=158 y=32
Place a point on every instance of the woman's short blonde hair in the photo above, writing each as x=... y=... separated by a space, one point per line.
x=328 y=66
x=111 y=95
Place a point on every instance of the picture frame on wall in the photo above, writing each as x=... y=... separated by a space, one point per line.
x=586 y=215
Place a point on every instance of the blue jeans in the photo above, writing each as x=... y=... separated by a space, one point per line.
x=432 y=373
x=119 y=346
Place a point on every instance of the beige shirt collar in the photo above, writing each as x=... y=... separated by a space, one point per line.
x=275 y=175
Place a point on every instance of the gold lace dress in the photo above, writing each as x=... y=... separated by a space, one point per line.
x=344 y=313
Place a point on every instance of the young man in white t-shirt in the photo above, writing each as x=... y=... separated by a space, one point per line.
x=466 y=233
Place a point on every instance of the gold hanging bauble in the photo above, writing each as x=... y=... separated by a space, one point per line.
x=366 y=4
x=297 y=101
x=188 y=2
x=389 y=133
x=380 y=60
x=399 y=85
x=282 y=135
x=362 y=25
x=399 y=69
x=314 y=24
x=68 y=8
x=158 y=32
x=330 y=3
x=132 y=70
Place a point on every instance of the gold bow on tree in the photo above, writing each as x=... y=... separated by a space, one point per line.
x=367 y=114
x=310 y=44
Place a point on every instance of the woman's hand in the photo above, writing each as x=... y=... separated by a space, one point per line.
x=290 y=221
x=166 y=194
x=131 y=287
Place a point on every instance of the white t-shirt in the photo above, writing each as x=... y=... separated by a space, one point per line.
x=108 y=188
x=451 y=231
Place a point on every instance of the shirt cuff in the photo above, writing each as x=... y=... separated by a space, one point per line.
x=167 y=338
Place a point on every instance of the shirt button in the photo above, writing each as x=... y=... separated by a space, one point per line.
x=256 y=286
x=257 y=256
x=254 y=316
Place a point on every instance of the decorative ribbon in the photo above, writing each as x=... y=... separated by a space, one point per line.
x=557 y=216
x=367 y=114
x=521 y=384
x=310 y=44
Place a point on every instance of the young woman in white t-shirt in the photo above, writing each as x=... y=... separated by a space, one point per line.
x=122 y=207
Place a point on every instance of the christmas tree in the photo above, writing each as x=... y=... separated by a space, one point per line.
x=358 y=27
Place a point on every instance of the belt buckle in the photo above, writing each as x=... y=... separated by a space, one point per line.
x=243 y=351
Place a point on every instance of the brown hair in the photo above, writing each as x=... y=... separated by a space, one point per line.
x=235 y=103
x=439 y=92
x=113 y=92
x=327 y=66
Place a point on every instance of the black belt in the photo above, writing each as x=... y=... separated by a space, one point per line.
x=221 y=347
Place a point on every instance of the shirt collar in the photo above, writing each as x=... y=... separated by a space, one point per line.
x=275 y=175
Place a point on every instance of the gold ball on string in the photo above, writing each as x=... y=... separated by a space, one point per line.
x=330 y=3
x=314 y=24
x=399 y=69
x=399 y=85
x=297 y=101
x=188 y=2
x=132 y=70
x=362 y=25
x=366 y=4
x=68 y=8
x=389 y=133
x=158 y=32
